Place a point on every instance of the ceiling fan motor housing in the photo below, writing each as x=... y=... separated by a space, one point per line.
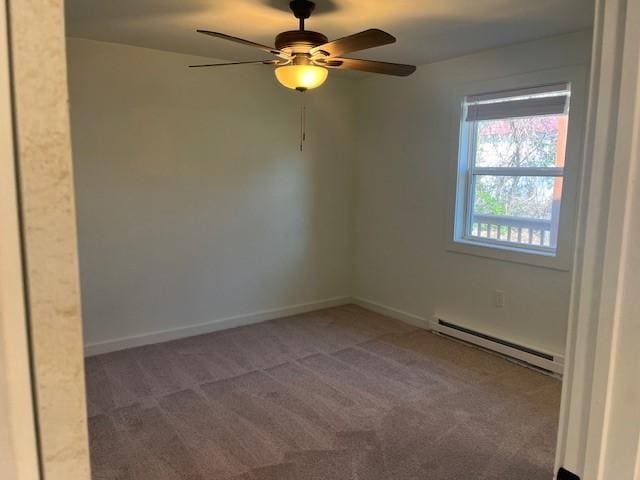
x=299 y=41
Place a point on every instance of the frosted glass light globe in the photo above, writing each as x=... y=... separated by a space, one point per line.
x=301 y=77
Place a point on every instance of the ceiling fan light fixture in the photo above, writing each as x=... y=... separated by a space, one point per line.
x=304 y=55
x=301 y=77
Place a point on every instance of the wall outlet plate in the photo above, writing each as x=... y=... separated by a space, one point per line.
x=499 y=298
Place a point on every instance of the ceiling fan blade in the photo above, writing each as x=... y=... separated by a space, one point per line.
x=385 y=68
x=358 y=41
x=248 y=43
x=264 y=62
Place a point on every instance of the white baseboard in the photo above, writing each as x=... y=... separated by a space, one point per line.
x=555 y=365
x=265 y=315
x=214 y=326
x=405 y=317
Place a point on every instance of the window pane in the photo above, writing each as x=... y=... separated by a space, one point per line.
x=516 y=209
x=522 y=142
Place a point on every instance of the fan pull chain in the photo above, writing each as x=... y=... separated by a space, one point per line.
x=303 y=127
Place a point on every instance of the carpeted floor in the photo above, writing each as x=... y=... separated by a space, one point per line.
x=340 y=394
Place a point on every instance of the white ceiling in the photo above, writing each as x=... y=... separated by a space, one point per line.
x=427 y=30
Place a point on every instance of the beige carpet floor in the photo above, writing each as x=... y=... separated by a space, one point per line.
x=340 y=394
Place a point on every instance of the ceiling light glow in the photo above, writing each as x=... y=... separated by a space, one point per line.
x=301 y=77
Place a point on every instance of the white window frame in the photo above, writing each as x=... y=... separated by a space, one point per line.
x=461 y=189
x=467 y=157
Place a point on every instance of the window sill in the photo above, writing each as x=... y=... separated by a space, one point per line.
x=507 y=253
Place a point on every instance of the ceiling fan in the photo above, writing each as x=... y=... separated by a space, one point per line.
x=303 y=56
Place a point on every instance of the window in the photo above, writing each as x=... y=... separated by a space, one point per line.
x=512 y=169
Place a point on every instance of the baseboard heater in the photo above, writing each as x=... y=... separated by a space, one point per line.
x=547 y=361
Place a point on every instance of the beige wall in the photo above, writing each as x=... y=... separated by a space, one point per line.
x=194 y=201
x=402 y=203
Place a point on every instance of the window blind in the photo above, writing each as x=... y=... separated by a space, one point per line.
x=546 y=100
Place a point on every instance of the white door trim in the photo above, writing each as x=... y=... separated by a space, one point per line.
x=603 y=306
x=18 y=444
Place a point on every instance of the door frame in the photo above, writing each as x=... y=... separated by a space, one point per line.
x=600 y=361
x=45 y=259
x=18 y=436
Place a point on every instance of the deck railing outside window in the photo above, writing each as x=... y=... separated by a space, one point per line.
x=517 y=230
